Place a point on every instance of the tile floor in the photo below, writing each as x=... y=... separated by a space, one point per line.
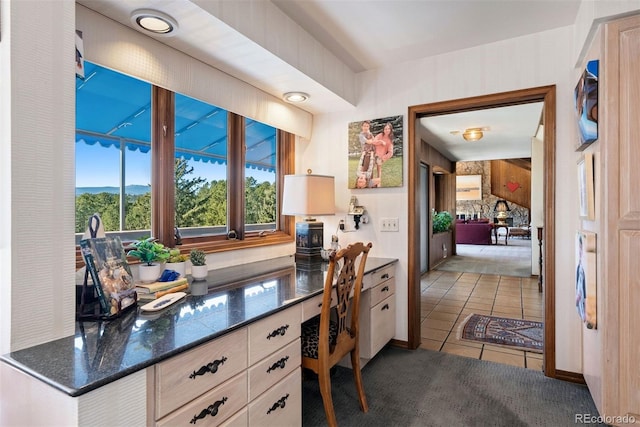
x=449 y=297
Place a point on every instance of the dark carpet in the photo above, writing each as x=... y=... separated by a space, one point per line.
x=427 y=388
x=503 y=331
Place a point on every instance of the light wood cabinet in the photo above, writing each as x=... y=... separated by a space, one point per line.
x=248 y=377
x=185 y=377
x=377 y=313
x=610 y=352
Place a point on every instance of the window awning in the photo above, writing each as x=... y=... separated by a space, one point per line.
x=112 y=109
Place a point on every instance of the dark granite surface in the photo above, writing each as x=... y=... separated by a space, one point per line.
x=101 y=352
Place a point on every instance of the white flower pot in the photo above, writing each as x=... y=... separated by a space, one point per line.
x=180 y=267
x=149 y=273
x=199 y=272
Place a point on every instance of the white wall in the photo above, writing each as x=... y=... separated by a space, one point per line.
x=37 y=293
x=524 y=62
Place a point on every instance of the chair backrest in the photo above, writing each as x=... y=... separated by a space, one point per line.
x=347 y=280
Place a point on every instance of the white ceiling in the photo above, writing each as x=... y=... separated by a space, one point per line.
x=363 y=34
x=508 y=137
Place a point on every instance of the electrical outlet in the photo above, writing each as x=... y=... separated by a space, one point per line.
x=388 y=224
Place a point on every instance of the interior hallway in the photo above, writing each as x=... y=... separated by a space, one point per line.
x=447 y=298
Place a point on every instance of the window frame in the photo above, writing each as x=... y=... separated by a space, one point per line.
x=163 y=185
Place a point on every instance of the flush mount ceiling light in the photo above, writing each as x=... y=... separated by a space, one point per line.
x=471 y=134
x=155 y=22
x=295 y=96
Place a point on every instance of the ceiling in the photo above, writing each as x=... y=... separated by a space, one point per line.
x=364 y=35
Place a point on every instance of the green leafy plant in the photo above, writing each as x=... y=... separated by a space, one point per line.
x=197 y=257
x=176 y=256
x=442 y=221
x=149 y=251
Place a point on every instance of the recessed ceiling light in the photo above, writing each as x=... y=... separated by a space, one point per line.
x=295 y=96
x=155 y=22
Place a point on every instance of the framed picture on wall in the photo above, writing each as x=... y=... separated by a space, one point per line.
x=586 y=283
x=468 y=187
x=586 y=105
x=586 y=187
x=375 y=153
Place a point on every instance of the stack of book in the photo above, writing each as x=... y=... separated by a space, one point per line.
x=149 y=291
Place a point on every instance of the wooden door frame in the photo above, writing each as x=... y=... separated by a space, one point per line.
x=546 y=94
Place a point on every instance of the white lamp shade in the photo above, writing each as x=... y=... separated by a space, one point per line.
x=308 y=195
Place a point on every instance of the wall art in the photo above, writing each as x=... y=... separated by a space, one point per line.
x=586 y=282
x=586 y=103
x=375 y=153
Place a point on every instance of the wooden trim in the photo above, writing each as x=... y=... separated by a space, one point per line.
x=399 y=343
x=572 y=377
x=235 y=181
x=163 y=166
x=547 y=94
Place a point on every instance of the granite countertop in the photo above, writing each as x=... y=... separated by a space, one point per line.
x=101 y=352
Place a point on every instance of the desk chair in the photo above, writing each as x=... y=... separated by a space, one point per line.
x=324 y=341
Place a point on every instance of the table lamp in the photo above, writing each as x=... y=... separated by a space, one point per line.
x=501 y=207
x=308 y=195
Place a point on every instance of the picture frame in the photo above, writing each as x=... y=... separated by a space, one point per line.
x=586 y=278
x=375 y=153
x=586 y=187
x=468 y=187
x=586 y=105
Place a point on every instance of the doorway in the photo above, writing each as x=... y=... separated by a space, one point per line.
x=546 y=94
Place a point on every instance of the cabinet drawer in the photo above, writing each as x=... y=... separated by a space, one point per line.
x=185 y=377
x=279 y=406
x=213 y=407
x=383 y=324
x=312 y=306
x=374 y=278
x=273 y=368
x=240 y=419
x=273 y=332
x=383 y=291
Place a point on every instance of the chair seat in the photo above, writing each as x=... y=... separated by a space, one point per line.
x=310 y=336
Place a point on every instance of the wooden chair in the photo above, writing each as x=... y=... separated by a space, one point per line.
x=325 y=341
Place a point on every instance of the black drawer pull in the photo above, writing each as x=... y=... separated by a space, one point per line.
x=384 y=289
x=385 y=276
x=279 y=364
x=385 y=307
x=209 y=367
x=280 y=331
x=279 y=404
x=209 y=410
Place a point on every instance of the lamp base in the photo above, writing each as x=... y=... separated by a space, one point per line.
x=309 y=240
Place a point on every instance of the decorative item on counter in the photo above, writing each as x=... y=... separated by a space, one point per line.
x=112 y=278
x=199 y=268
x=151 y=254
x=160 y=288
x=177 y=262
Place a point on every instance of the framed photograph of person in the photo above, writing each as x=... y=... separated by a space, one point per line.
x=586 y=187
x=375 y=153
x=586 y=283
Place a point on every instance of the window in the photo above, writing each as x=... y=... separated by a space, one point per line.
x=150 y=160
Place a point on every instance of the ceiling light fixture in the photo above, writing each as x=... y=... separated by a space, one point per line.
x=295 y=96
x=472 y=134
x=155 y=22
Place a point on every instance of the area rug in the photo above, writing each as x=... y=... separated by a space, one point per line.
x=512 y=333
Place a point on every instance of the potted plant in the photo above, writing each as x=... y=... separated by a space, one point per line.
x=177 y=262
x=442 y=221
x=199 y=268
x=151 y=254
